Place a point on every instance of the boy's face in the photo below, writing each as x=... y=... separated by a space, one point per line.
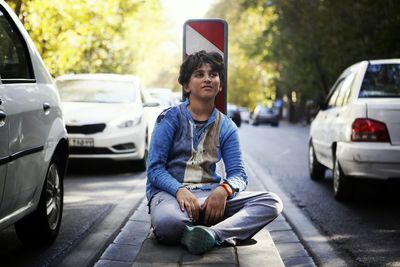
x=204 y=83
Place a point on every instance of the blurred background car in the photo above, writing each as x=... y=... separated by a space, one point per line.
x=163 y=95
x=244 y=114
x=33 y=140
x=264 y=114
x=105 y=116
x=234 y=113
x=357 y=131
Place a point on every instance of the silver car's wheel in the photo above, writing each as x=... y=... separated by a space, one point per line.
x=41 y=227
x=315 y=169
x=342 y=184
x=53 y=197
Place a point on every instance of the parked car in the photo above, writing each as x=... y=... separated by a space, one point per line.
x=357 y=131
x=234 y=113
x=105 y=116
x=33 y=139
x=244 y=114
x=163 y=95
x=165 y=98
x=264 y=114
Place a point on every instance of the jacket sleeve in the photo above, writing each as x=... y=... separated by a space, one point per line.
x=236 y=175
x=161 y=142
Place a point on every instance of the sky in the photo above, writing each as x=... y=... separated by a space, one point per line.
x=179 y=11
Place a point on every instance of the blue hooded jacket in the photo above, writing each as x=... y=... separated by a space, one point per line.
x=180 y=155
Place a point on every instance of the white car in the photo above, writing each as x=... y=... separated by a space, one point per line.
x=357 y=131
x=33 y=139
x=105 y=116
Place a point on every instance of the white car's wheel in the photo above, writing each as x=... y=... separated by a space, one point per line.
x=342 y=185
x=316 y=169
x=42 y=226
x=142 y=163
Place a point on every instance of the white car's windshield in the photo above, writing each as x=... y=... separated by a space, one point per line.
x=97 y=91
x=381 y=80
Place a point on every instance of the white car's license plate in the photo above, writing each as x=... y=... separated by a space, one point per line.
x=88 y=142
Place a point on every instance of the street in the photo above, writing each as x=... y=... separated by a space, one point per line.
x=365 y=231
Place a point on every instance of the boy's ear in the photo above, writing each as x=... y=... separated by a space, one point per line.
x=186 y=88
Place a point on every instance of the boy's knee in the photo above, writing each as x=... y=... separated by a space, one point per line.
x=274 y=204
x=168 y=228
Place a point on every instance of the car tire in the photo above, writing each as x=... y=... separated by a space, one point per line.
x=42 y=226
x=343 y=185
x=316 y=169
x=275 y=124
x=142 y=163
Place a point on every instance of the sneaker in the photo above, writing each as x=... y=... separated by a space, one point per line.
x=198 y=239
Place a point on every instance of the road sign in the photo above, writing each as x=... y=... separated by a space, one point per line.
x=210 y=35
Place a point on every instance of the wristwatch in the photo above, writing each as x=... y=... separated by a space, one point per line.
x=227 y=188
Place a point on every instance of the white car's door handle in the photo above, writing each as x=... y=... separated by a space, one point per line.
x=46 y=108
x=2 y=118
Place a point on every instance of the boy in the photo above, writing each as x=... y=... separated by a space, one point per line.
x=189 y=202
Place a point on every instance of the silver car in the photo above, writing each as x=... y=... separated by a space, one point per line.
x=357 y=131
x=33 y=138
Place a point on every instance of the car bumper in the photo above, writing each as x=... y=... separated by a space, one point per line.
x=125 y=145
x=369 y=160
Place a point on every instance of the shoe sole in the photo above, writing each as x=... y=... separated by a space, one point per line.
x=197 y=240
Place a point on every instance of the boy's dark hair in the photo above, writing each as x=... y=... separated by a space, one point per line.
x=196 y=60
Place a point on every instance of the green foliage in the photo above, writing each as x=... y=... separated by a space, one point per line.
x=75 y=36
x=313 y=41
x=250 y=79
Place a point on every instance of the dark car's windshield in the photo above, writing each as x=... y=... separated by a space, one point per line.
x=96 y=91
x=381 y=80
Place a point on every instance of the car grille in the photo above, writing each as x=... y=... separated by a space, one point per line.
x=86 y=129
x=89 y=150
x=81 y=150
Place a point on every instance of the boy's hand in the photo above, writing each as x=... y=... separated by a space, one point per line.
x=189 y=202
x=214 y=206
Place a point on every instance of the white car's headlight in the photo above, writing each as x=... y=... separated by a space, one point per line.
x=130 y=123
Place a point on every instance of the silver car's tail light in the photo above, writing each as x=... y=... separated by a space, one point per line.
x=367 y=130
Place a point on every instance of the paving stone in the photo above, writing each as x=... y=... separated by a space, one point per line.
x=118 y=252
x=212 y=265
x=290 y=250
x=286 y=236
x=278 y=226
x=140 y=215
x=299 y=262
x=280 y=218
x=153 y=252
x=136 y=227
x=143 y=206
x=222 y=255
x=110 y=263
x=155 y=264
x=126 y=237
x=262 y=253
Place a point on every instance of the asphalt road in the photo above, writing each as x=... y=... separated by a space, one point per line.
x=365 y=231
x=92 y=191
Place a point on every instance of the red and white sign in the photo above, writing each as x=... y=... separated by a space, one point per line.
x=210 y=35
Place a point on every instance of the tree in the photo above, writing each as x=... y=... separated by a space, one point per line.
x=250 y=79
x=91 y=36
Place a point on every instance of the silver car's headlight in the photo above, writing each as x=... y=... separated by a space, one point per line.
x=130 y=122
